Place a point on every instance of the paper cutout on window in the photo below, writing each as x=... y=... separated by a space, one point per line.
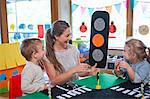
x=30 y=26
x=47 y=26
x=40 y=31
x=22 y=26
x=17 y=35
x=83 y=28
x=12 y=27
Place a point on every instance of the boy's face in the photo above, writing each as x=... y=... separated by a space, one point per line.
x=40 y=54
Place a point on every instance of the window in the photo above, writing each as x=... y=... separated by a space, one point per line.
x=28 y=18
x=141 y=20
x=82 y=11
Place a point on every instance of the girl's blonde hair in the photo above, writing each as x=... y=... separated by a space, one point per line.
x=138 y=47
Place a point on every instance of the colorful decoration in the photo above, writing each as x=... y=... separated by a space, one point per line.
x=143 y=29
x=22 y=26
x=26 y=35
x=30 y=26
x=47 y=26
x=112 y=27
x=91 y=10
x=74 y=7
x=11 y=62
x=17 y=35
x=40 y=31
x=118 y=6
x=15 y=72
x=12 y=27
x=2 y=76
x=83 y=27
x=108 y=9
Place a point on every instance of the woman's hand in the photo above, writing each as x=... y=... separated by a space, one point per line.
x=41 y=63
x=82 y=67
x=94 y=70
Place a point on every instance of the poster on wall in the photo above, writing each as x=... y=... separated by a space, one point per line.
x=81 y=17
x=141 y=21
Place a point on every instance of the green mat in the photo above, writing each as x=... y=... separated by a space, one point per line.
x=3 y=90
x=106 y=81
x=37 y=95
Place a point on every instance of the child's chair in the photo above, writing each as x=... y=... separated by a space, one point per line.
x=15 y=86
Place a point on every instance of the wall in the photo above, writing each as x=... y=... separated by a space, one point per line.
x=64 y=10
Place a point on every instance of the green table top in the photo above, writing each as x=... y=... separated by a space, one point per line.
x=106 y=81
x=36 y=95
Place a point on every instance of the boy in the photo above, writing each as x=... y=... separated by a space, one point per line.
x=32 y=79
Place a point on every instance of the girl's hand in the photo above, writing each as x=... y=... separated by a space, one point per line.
x=117 y=65
x=123 y=64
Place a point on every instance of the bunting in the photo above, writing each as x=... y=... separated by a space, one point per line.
x=82 y=10
x=118 y=6
x=144 y=7
x=90 y=10
x=108 y=8
x=133 y=3
x=74 y=7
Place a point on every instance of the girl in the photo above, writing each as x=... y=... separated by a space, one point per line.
x=138 y=67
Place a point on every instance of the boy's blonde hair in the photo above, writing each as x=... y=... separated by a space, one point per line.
x=29 y=46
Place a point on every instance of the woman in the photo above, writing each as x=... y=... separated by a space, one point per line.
x=64 y=57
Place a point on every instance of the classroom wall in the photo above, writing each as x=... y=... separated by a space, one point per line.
x=64 y=10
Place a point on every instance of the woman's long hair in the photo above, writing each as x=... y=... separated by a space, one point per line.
x=57 y=29
x=138 y=47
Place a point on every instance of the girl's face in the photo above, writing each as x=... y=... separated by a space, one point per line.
x=63 y=39
x=126 y=53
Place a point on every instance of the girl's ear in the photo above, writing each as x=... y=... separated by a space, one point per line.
x=134 y=55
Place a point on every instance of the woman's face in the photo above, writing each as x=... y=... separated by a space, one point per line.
x=63 y=39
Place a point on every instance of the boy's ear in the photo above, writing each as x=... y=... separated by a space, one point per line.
x=34 y=55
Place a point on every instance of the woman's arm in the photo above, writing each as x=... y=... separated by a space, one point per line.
x=64 y=77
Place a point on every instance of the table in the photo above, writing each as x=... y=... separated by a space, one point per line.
x=123 y=89
x=36 y=95
x=111 y=88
